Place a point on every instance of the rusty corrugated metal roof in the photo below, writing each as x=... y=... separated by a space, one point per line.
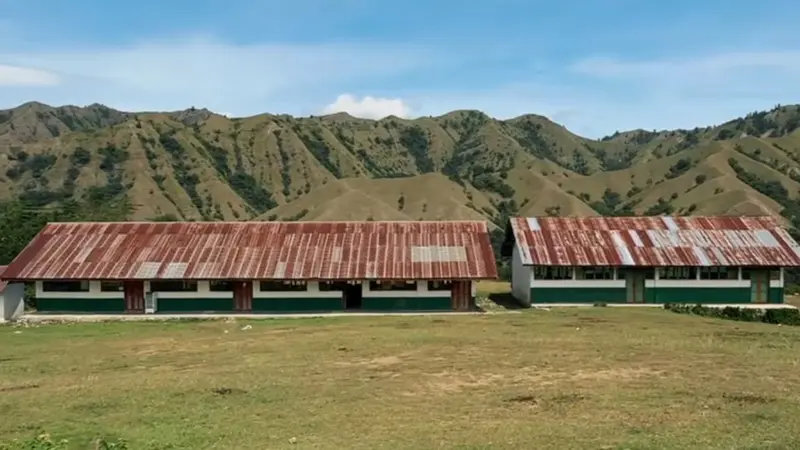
x=654 y=241
x=258 y=250
x=2 y=283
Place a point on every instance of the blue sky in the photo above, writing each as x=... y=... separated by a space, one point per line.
x=594 y=66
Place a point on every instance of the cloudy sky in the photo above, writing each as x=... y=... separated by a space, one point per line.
x=594 y=65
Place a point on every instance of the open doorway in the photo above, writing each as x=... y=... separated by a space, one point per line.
x=352 y=296
x=351 y=293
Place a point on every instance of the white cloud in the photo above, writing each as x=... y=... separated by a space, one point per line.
x=241 y=79
x=369 y=107
x=784 y=61
x=24 y=76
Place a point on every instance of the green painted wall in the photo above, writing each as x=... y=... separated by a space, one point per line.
x=578 y=295
x=776 y=295
x=179 y=305
x=652 y=295
x=312 y=304
x=692 y=295
x=406 y=304
x=87 y=305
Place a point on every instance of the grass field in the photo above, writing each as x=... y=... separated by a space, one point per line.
x=574 y=378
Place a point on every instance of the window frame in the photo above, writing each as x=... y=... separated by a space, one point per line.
x=440 y=285
x=553 y=273
x=105 y=286
x=282 y=286
x=185 y=285
x=333 y=286
x=649 y=272
x=215 y=285
x=605 y=272
x=82 y=285
x=719 y=273
x=672 y=270
x=392 y=286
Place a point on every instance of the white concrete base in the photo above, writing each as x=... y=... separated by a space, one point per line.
x=33 y=318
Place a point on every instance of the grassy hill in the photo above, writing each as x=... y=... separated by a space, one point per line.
x=198 y=165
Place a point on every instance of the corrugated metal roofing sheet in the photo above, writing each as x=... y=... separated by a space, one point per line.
x=2 y=283
x=258 y=250
x=654 y=241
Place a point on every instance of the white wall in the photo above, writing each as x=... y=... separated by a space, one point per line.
x=12 y=301
x=578 y=283
x=94 y=292
x=521 y=279
x=312 y=291
x=203 y=291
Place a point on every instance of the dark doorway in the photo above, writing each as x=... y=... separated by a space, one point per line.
x=351 y=293
x=352 y=296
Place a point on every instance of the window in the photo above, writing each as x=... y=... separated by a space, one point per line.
x=774 y=274
x=440 y=285
x=220 y=286
x=719 y=273
x=677 y=273
x=552 y=273
x=65 y=286
x=282 y=286
x=173 y=286
x=596 y=273
x=111 y=286
x=649 y=272
x=392 y=285
x=328 y=286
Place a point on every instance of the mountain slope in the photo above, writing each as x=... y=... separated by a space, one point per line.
x=198 y=165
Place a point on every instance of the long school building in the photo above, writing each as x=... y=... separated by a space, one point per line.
x=649 y=259
x=252 y=267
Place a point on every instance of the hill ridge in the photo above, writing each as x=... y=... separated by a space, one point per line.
x=195 y=164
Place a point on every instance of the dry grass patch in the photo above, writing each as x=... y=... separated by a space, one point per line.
x=583 y=378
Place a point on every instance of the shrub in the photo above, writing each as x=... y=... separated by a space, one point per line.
x=679 y=168
x=80 y=157
x=416 y=141
x=773 y=316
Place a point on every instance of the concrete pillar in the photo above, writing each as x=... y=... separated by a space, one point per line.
x=12 y=301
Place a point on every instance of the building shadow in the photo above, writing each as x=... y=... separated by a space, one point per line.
x=504 y=300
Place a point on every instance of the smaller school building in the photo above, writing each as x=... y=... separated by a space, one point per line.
x=255 y=267
x=649 y=259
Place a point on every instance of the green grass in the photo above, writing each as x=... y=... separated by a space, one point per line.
x=574 y=378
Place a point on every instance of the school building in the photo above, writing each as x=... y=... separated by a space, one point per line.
x=255 y=267
x=649 y=259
